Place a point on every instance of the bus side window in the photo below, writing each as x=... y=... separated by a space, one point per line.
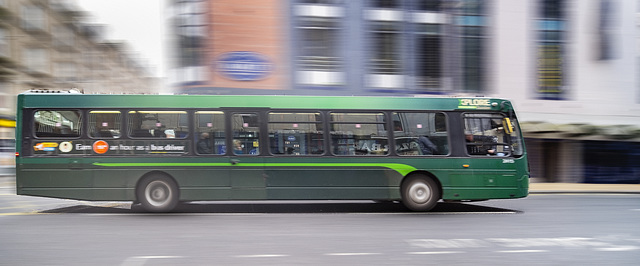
x=158 y=124
x=210 y=135
x=246 y=134
x=295 y=133
x=359 y=134
x=420 y=133
x=104 y=124
x=57 y=123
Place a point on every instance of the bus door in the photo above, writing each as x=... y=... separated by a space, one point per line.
x=247 y=167
x=489 y=164
x=488 y=142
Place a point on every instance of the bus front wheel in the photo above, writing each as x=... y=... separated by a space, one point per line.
x=420 y=193
x=158 y=193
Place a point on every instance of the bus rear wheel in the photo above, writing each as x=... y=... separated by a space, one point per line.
x=420 y=193
x=158 y=193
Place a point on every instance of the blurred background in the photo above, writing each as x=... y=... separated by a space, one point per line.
x=571 y=67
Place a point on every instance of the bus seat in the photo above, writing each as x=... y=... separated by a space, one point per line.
x=181 y=134
x=142 y=133
x=104 y=134
x=65 y=130
x=159 y=133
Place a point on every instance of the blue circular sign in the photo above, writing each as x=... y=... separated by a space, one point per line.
x=244 y=66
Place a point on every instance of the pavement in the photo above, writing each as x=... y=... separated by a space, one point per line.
x=552 y=188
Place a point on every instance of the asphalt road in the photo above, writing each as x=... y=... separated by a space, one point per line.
x=572 y=229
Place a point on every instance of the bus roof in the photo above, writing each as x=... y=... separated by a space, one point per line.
x=54 y=100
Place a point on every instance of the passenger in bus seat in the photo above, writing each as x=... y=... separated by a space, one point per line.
x=159 y=133
x=204 y=144
x=237 y=146
x=397 y=126
x=170 y=133
x=426 y=146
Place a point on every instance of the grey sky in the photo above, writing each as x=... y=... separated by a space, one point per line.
x=140 y=23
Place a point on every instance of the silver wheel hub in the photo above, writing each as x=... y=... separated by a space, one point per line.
x=157 y=193
x=419 y=193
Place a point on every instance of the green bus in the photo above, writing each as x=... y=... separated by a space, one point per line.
x=159 y=150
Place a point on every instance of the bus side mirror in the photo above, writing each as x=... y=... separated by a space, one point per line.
x=506 y=124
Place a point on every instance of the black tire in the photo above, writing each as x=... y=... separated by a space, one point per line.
x=158 y=193
x=420 y=193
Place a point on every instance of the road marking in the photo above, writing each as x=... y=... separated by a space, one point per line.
x=142 y=260
x=172 y=214
x=525 y=245
x=460 y=213
x=20 y=213
x=351 y=254
x=448 y=243
x=618 y=248
x=262 y=256
x=158 y=257
x=523 y=251
x=276 y=213
x=434 y=252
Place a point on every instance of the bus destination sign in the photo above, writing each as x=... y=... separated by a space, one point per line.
x=474 y=104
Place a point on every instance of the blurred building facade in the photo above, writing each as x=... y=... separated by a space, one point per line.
x=570 y=66
x=45 y=44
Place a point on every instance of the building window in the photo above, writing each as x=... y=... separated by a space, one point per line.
x=36 y=59
x=4 y=97
x=63 y=37
x=190 y=23
x=386 y=3
x=386 y=41
x=428 y=59
x=66 y=72
x=319 y=49
x=4 y=43
x=430 y=5
x=33 y=18
x=386 y=20
x=606 y=30
x=471 y=27
x=323 y=2
x=319 y=53
x=551 y=49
